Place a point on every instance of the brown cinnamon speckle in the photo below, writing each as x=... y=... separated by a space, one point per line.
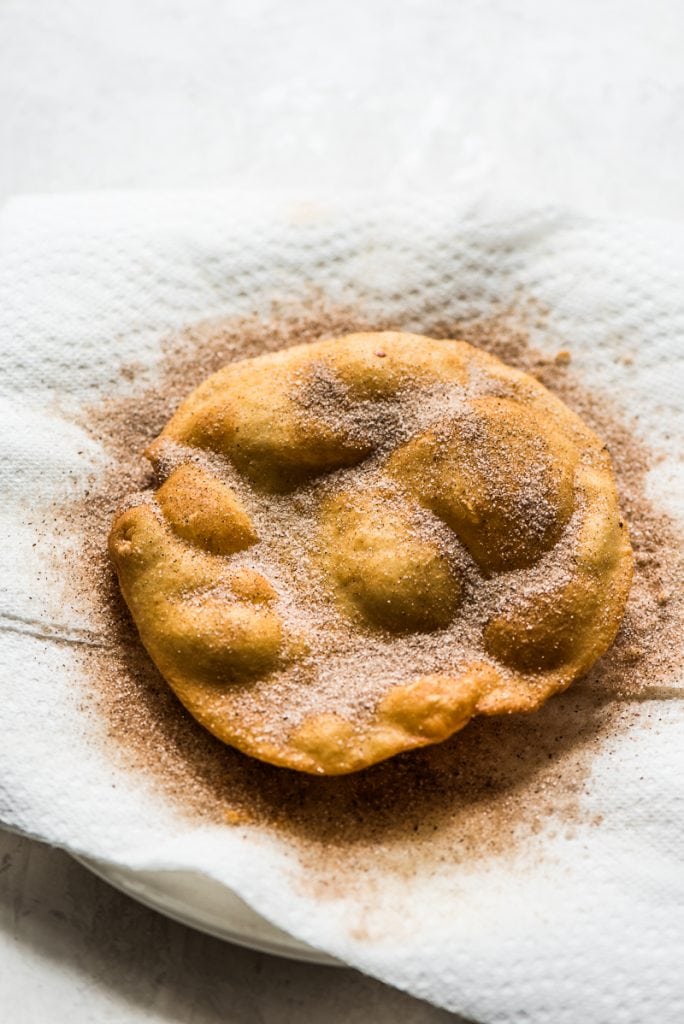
x=485 y=792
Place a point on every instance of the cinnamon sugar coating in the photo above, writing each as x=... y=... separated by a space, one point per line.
x=360 y=544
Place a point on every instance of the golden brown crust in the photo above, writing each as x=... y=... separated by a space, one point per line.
x=433 y=473
x=382 y=569
x=466 y=475
x=204 y=511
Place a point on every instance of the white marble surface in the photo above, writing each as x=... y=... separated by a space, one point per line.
x=74 y=949
x=580 y=103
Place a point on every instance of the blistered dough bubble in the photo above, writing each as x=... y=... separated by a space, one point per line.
x=499 y=475
x=359 y=544
x=204 y=511
x=382 y=568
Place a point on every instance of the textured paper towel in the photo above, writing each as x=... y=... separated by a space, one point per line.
x=586 y=925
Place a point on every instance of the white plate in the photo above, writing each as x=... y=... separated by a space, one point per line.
x=207 y=906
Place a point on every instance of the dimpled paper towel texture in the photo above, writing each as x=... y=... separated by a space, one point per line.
x=583 y=927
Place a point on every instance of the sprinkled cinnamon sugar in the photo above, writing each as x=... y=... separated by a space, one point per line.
x=348 y=665
x=483 y=791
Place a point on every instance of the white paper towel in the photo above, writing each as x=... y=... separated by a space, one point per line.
x=580 y=926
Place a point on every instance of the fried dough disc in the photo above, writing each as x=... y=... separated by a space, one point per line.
x=359 y=544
